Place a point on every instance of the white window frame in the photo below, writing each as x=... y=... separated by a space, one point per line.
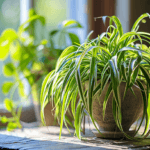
x=123 y=12
x=77 y=10
x=25 y=5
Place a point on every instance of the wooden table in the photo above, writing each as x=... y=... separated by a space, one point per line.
x=47 y=138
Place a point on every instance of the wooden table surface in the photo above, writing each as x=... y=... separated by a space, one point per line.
x=47 y=138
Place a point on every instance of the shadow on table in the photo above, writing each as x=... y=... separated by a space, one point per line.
x=23 y=143
x=65 y=132
x=41 y=138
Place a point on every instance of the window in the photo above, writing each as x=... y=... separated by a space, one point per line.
x=55 y=11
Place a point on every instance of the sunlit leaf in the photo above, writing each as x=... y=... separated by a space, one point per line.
x=21 y=89
x=143 y=21
x=33 y=18
x=9 y=34
x=15 y=51
x=71 y=24
x=44 y=42
x=4 y=51
x=88 y=36
x=53 y=32
x=37 y=66
x=4 y=119
x=78 y=121
x=74 y=38
x=135 y=25
x=4 y=48
x=9 y=69
x=11 y=126
x=106 y=99
x=31 y=12
x=8 y=104
x=7 y=86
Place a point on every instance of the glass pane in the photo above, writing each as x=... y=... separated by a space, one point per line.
x=9 y=18
x=9 y=14
x=54 y=11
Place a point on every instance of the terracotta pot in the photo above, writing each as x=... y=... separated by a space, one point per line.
x=48 y=110
x=131 y=109
x=49 y=115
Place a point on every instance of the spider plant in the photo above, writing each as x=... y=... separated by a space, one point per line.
x=113 y=57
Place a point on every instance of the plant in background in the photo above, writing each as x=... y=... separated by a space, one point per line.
x=109 y=60
x=14 y=121
x=31 y=59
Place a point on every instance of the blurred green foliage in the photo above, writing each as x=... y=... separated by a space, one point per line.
x=30 y=59
x=14 y=121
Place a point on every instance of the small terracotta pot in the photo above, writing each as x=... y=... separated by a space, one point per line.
x=49 y=115
x=131 y=109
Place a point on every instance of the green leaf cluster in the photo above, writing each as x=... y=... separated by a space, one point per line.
x=31 y=59
x=113 y=57
x=14 y=121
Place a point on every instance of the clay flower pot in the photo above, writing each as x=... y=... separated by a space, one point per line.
x=49 y=115
x=131 y=109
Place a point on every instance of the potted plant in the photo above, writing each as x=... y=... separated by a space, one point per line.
x=30 y=58
x=111 y=76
